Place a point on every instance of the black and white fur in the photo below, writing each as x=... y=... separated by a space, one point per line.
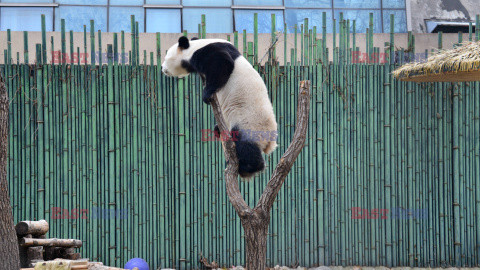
x=240 y=90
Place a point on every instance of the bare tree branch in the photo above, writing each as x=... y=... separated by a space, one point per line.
x=231 y=172
x=255 y=222
x=286 y=162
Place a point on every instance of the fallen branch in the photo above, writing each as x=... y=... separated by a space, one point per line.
x=52 y=242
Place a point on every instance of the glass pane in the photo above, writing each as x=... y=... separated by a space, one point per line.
x=356 y=3
x=163 y=2
x=164 y=21
x=258 y=2
x=308 y=3
x=362 y=18
x=206 y=3
x=26 y=1
x=83 y=2
x=393 y=3
x=297 y=16
x=244 y=20
x=26 y=18
x=127 y=2
x=78 y=16
x=218 y=20
x=400 y=21
x=120 y=19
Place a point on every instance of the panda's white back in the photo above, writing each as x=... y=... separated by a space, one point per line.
x=245 y=103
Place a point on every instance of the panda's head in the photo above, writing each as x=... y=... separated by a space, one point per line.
x=172 y=65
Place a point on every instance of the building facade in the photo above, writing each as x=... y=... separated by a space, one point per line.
x=174 y=16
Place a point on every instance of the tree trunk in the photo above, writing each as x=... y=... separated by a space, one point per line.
x=8 y=239
x=256 y=230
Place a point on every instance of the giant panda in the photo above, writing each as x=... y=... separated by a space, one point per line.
x=241 y=93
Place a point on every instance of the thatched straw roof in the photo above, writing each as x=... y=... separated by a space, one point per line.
x=456 y=65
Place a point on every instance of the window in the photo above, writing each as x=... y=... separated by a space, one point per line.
x=82 y=2
x=309 y=3
x=164 y=21
x=244 y=20
x=218 y=20
x=223 y=16
x=207 y=3
x=362 y=19
x=258 y=2
x=393 y=3
x=78 y=16
x=162 y=2
x=400 y=21
x=25 y=18
x=127 y=2
x=118 y=19
x=356 y=3
x=29 y=1
x=315 y=17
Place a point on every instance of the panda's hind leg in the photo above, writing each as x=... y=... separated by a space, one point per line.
x=250 y=159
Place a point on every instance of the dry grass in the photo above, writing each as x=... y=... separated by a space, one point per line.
x=463 y=59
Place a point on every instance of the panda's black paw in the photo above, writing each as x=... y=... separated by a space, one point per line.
x=207 y=99
x=216 y=131
x=208 y=93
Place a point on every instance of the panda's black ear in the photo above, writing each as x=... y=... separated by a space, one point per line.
x=194 y=38
x=183 y=43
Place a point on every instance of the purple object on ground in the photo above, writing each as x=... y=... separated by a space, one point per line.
x=140 y=263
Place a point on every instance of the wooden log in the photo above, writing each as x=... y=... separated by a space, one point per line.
x=32 y=227
x=32 y=263
x=81 y=262
x=51 y=242
x=29 y=255
x=34 y=253
x=74 y=267
x=24 y=262
x=51 y=253
x=72 y=256
x=69 y=250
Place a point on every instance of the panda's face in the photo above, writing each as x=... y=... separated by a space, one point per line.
x=172 y=65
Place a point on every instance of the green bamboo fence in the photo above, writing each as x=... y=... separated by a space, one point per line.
x=123 y=137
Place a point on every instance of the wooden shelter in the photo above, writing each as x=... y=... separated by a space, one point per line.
x=460 y=64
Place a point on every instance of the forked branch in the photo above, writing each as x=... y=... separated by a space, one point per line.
x=231 y=172
x=255 y=221
x=286 y=162
x=265 y=202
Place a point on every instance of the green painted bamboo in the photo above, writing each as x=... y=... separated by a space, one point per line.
x=44 y=41
x=63 y=42
x=115 y=49
x=204 y=27
x=477 y=27
x=244 y=37
x=273 y=39
x=92 y=42
x=25 y=47
x=255 y=36
x=235 y=39
x=125 y=137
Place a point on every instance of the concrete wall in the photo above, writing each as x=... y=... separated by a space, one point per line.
x=148 y=43
x=442 y=10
